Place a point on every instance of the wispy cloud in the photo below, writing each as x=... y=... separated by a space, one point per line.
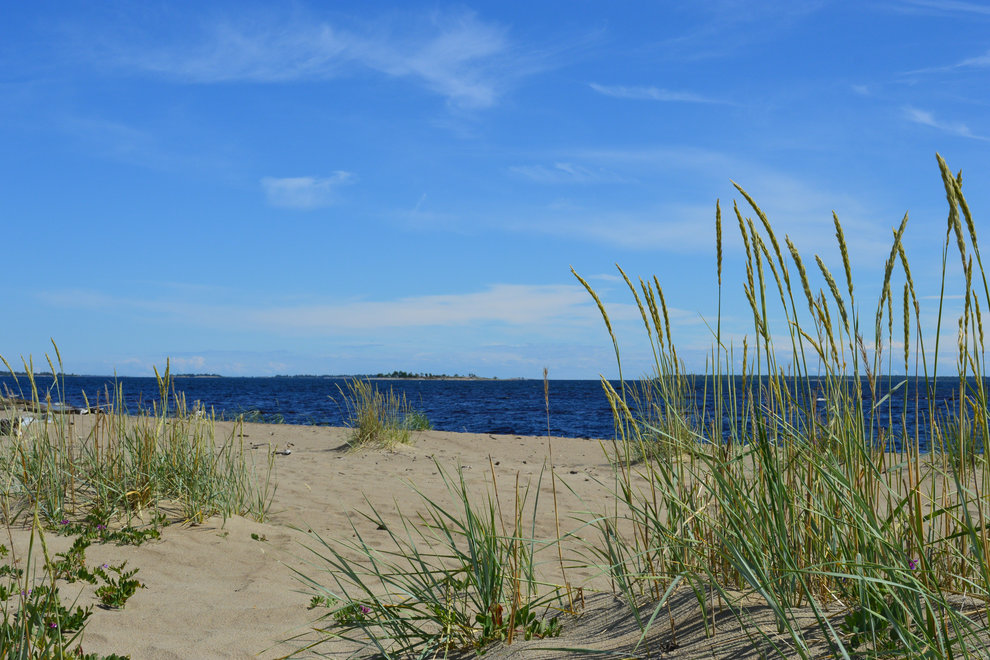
x=720 y=28
x=976 y=62
x=456 y=55
x=566 y=173
x=685 y=225
x=927 y=118
x=304 y=192
x=945 y=7
x=529 y=305
x=674 y=228
x=644 y=93
x=512 y=304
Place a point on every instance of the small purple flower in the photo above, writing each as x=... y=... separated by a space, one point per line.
x=52 y=625
x=365 y=610
x=106 y=565
x=913 y=563
x=64 y=522
x=101 y=527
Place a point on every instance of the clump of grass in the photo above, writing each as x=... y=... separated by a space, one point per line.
x=378 y=419
x=416 y=420
x=455 y=579
x=255 y=416
x=128 y=464
x=795 y=489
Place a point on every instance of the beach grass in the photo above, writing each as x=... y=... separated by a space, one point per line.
x=789 y=491
x=379 y=419
x=144 y=468
x=455 y=577
x=127 y=463
x=789 y=494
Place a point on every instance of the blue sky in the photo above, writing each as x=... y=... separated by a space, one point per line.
x=350 y=187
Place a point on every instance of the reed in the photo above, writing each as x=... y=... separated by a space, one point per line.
x=791 y=491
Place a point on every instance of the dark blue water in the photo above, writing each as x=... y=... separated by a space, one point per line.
x=578 y=408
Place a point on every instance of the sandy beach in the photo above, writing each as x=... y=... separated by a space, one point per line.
x=213 y=590
x=234 y=588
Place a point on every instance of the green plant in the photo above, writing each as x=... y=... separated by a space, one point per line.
x=456 y=579
x=119 y=589
x=344 y=614
x=71 y=564
x=415 y=420
x=255 y=416
x=35 y=623
x=127 y=464
x=788 y=489
x=95 y=486
x=378 y=419
x=94 y=527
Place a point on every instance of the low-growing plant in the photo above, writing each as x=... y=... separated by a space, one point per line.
x=35 y=624
x=71 y=564
x=119 y=587
x=344 y=614
x=255 y=416
x=95 y=527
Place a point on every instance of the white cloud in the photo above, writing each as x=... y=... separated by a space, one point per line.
x=188 y=364
x=451 y=63
x=455 y=55
x=523 y=305
x=566 y=173
x=304 y=192
x=513 y=304
x=928 y=119
x=685 y=225
x=640 y=93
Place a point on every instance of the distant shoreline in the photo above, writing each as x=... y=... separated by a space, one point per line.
x=48 y=374
x=434 y=378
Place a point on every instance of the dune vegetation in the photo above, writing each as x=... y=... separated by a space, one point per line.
x=796 y=491
x=131 y=474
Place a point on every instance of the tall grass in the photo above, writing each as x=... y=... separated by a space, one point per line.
x=125 y=464
x=378 y=419
x=790 y=491
x=452 y=579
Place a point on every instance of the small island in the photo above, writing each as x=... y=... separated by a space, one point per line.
x=407 y=375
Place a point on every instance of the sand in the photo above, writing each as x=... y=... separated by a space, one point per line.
x=232 y=589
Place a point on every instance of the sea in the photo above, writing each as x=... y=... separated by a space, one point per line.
x=570 y=408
